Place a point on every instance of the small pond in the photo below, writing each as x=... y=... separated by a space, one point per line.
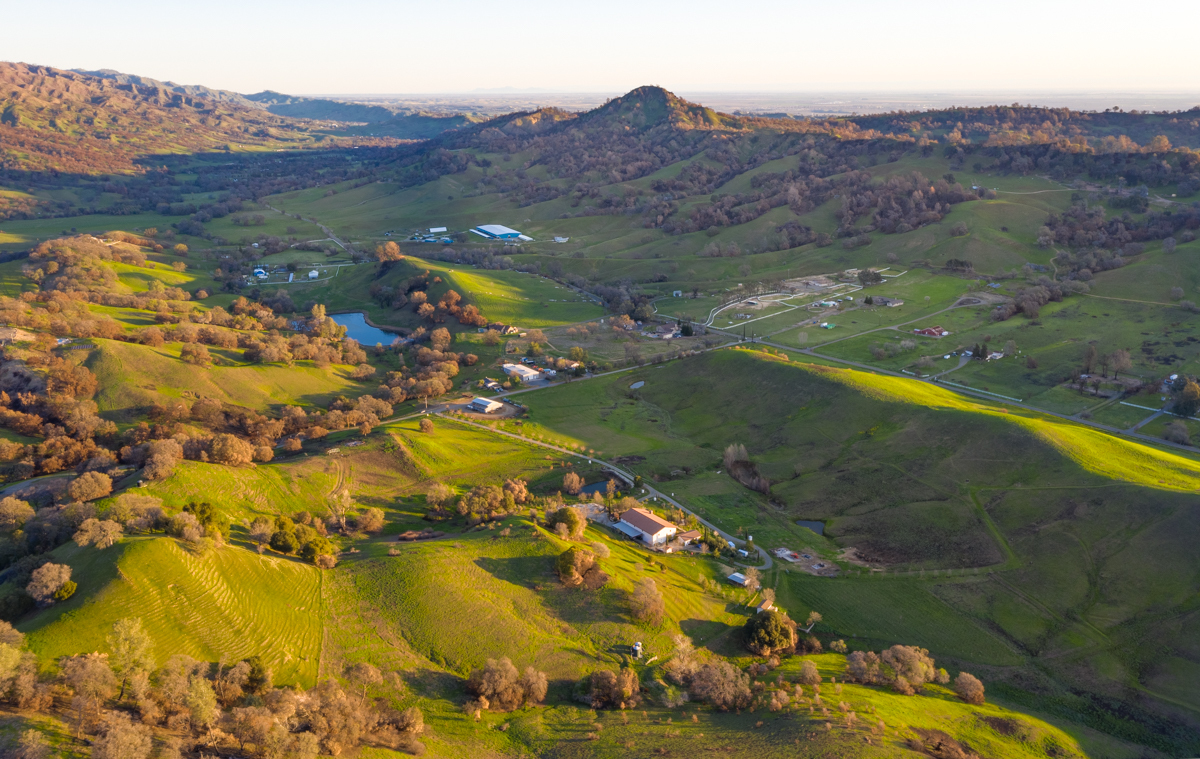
x=817 y=527
x=637 y=385
x=602 y=486
x=358 y=329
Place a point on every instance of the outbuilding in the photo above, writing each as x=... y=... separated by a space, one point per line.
x=521 y=372
x=496 y=232
x=737 y=578
x=484 y=405
x=313 y=274
x=652 y=528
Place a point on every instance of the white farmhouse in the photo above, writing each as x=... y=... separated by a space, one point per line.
x=650 y=527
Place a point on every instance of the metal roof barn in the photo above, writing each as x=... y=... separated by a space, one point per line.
x=498 y=231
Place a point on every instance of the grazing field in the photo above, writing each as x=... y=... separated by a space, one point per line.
x=221 y=604
x=133 y=377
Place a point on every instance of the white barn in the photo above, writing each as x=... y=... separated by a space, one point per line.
x=651 y=528
x=484 y=405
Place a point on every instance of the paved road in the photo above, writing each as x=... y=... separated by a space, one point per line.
x=651 y=491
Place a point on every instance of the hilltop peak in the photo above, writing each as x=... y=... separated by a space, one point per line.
x=650 y=106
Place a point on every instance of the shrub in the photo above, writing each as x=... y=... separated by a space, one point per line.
x=647 y=603
x=722 y=685
x=809 y=674
x=770 y=632
x=14 y=513
x=196 y=354
x=316 y=547
x=968 y=688
x=1177 y=432
x=577 y=566
x=500 y=687
x=285 y=541
x=910 y=663
x=370 y=520
x=230 y=451
x=89 y=486
x=572 y=518
x=426 y=425
x=46 y=581
x=572 y=483
x=618 y=690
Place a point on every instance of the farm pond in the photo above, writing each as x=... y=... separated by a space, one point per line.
x=358 y=329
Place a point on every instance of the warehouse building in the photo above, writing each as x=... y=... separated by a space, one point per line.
x=496 y=232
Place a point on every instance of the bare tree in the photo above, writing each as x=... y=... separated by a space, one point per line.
x=102 y=534
x=340 y=506
x=647 y=603
x=90 y=486
x=46 y=581
x=92 y=681
x=370 y=520
x=122 y=739
x=132 y=650
x=722 y=685
x=1121 y=361
x=572 y=483
x=753 y=583
x=14 y=513
x=32 y=745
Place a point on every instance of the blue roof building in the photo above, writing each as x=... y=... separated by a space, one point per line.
x=496 y=232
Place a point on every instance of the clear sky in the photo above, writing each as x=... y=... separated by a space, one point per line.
x=399 y=46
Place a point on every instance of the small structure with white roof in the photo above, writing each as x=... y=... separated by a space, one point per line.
x=313 y=274
x=484 y=405
x=521 y=372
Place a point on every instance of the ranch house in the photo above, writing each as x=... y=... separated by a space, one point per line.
x=647 y=526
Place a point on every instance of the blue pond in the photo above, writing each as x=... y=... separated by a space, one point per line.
x=817 y=527
x=357 y=328
x=602 y=486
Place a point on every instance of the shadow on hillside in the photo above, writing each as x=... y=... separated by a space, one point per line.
x=531 y=572
x=431 y=682
x=710 y=634
x=570 y=605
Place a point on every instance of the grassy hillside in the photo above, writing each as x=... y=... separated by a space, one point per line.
x=1071 y=525
x=132 y=377
x=226 y=603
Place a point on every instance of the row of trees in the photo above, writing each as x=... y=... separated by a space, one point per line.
x=214 y=707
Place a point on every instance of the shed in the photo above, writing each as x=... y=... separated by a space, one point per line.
x=435 y=230
x=737 y=578
x=484 y=405
x=628 y=529
x=765 y=606
x=313 y=274
x=677 y=294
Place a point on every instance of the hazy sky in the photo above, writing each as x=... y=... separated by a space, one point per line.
x=377 y=46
